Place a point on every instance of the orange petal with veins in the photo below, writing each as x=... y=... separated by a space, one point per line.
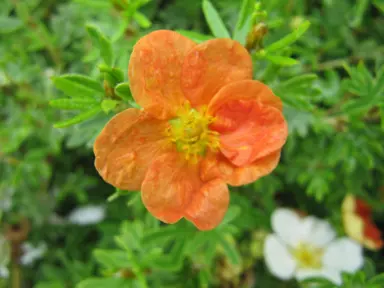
x=210 y=66
x=208 y=207
x=169 y=186
x=241 y=90
x=215 y=166
x=172 y=189
x=127 y=145
x=154 y=72
x=249 y=120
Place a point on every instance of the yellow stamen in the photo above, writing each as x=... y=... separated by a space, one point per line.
x=308 y=256
x=190 y=132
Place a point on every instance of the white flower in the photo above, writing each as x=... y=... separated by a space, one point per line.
x=306 y=248
x=32 y=253
x=87 y=215
x=4 y=272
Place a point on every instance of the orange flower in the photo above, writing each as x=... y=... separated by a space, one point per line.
x=204 y=123
x=358 y=224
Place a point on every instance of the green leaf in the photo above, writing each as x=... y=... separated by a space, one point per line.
x=296 y=101
x=204 y=279
x=78 y=86
x=124 y=91
x=358 y=106
x=377 y=280
x=50 y=284
x=229 y=248
x=79 y=118
x=377 y=90
x=9 y=24
x=198 y=241
x=73 y=104
x=281 y=60
x=164 y=234
x=300 y=80
x=382 y=116
x=142 y=20
x=231 y=214
x=111 y=259
x=243 y=25
x=112 y=75
x=289 y=39
x=95 y=4
x=214 y=21
x=379 y=4
x=195 y=36
x=105 y=282
x=102 y=42
x=361 y=8
x=369 y=268
x=319 y=282
x=108 y=105
x=173 y=260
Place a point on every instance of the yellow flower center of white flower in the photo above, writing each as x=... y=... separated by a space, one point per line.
x=308 y=256
x=191 y=134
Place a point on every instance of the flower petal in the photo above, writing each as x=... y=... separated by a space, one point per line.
x=317 y=232
x=210 y=66
x=243 y=90
x=354 y=226
x=344 y=254
x=293 y=229
x=288 y=226
x=249 y=121
x=279 y=261
x=127 y=145
x=372 y=236
x=332 y=275
x=302 y=274
x=209 y=205
x=219 y=166
x=154 y=72
x=358 y=223
x=172 y=189
x=169 y=185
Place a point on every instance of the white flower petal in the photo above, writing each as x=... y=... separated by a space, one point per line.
x=317 y=232
x=332 y=275
x=343 y=254
x=279 y=261
x=4 y=272
x=87 y=215
x=32 y=253
x=302 y=274
x=287 y=225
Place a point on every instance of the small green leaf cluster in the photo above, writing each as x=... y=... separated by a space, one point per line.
x=87 y=95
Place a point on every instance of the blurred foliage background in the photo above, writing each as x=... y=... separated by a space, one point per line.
x=330 y=76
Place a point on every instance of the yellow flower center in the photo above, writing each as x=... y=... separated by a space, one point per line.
x=308 y=256
x=190 y=132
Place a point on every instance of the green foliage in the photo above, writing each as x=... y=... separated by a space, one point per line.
x=63 y=64
x=244 y=22
x=214 y=21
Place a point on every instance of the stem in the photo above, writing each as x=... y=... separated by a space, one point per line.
x=16 y=275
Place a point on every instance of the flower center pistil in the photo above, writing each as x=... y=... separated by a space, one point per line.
x=191 y=134
x=308 y=256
